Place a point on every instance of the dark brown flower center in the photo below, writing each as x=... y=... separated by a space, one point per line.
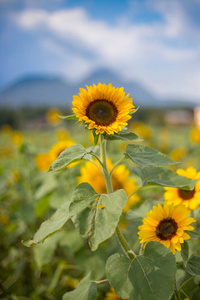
x=166 y=229
x=186 y=195
x=102 y=112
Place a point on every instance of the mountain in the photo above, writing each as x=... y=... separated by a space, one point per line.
x=52 y=91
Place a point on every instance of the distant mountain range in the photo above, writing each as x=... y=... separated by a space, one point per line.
x=51 y=91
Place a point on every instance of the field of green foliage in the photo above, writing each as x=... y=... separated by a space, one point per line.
x=29 y=195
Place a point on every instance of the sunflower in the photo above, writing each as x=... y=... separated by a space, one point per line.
x=103 y=108
x=52 y=116
x=111 y=295
x=42 y=161
x=120 y=180
x=190 y=199
x=166 y=225
x=195 y=135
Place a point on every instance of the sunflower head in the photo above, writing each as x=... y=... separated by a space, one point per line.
x=190 y=199
x=166 y=225
x=103 y=108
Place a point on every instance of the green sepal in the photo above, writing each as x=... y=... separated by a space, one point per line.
x=134 y=111
x=96 y=137
x=70 y=117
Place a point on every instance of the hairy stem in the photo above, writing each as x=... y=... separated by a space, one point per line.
x=107 y=177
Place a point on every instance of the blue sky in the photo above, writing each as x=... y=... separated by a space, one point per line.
x=155 y=42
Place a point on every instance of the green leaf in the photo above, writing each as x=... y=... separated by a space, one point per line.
x=123 y=135
x=193 y=265
x=143 y=155
x=163 y=176
x=86 y=290
x=140 y=278
x=43 y=253
x=69 y=155
x=96 y=216
x=185 y=252
x=50 y=226
x=70 y=117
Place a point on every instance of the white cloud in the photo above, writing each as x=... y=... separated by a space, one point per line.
x=159 y=54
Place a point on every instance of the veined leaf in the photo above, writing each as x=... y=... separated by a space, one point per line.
x=123 y=135
x=193 y=265
x=69 y=155
x=143 y=155
x=96 y=216
x=50 y=226
x=163 y=176
x=86 y=290
x=140 y=278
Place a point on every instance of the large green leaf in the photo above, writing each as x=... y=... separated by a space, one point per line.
x=96 y=216
x=50 y=226
x=140 y=278
x=123 y=135
x=68 y=156
x=193 y=265
x=163 y=176
x=143 y=155
x=86 y=290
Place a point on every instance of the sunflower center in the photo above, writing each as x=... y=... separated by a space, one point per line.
x=102 y=112
x=186 y=195
x=166 y=229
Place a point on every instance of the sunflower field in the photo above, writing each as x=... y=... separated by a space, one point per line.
x=107 y=210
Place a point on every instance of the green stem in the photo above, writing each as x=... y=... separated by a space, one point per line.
x=96 y=157
x=184 y=283
x=176 y=293
x=134 y=192
x=117 y=163
x=107 y=177
x=104 y=162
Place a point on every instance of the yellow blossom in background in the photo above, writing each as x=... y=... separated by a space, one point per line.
x=4 y=220
x=120 y=180
x=178 y=153
x=195 y=135
x=13 y=178
x=166 y=225
x=62 y=134
x=52 y=116
x=103 y=108
x=17 y=138
x=111 y=295
x=164 y=138
x=142 y=130
x=43 y=162
x=6 y=130
x=190 y=199
x=6 y=152
x=59 y=147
